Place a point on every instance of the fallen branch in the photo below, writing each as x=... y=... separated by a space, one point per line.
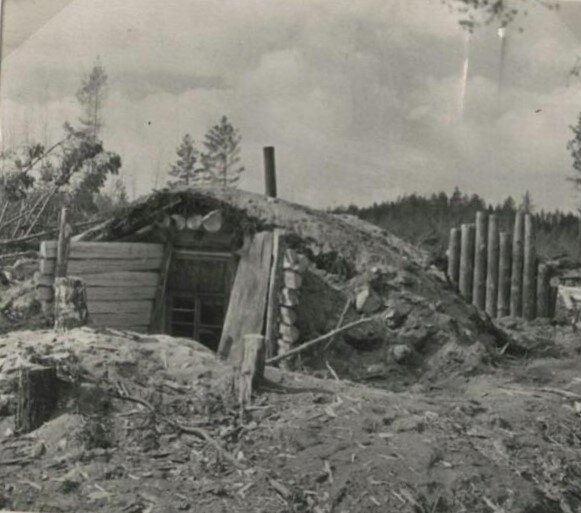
x=19 y=254
x=196 y=431
x=307 y=345
x=340 y=321
x=9 y=242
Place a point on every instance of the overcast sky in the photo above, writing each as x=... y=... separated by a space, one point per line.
x=361 y=99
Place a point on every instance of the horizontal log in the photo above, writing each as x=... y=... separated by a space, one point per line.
x=120 y=307
x=295 y=261
x=292 y=279
x=111 y=293
x=81 y=267
x=45 y=280
x=119 y=320
x=106 y=250
x=194 y=222
x=122 y=279
x=289 y=333
x=119 y=293
x=179 y=221
x=288 y=297
x=212 y=222
x=288 y=315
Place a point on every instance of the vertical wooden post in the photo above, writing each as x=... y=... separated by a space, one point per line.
x=274 y=288
x=454 y=257
x=504 y=264
x=517 y=266
x=479 y=285
x=70 y=303
x=543 y=279
x=62 y=251
x=467 y=261
x=492 y=266
x=529 y=268
x=269 y=171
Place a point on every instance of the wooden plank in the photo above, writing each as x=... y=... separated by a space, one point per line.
x=121 y=279
x=119 y=293
x=246 y=309
x=63 y=245
x=467 y=261
x=504 y=266
x=105 y=250
x=480 y=250
x=140 y=306
x=288 y=297
x=517 y=266
x=492 y=266
x=157 y=313
x=454 y=257
x=80 y=267
x=274 y=288
x=292 y=279
x=288 y=315
x=119 y=320
x=543 y=279
x=44 y=294
x=529 y=293
x=289 y=333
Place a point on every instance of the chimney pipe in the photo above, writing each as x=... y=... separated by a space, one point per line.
x=269 y=172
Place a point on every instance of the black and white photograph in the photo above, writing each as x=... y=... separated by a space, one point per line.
x=290 y=256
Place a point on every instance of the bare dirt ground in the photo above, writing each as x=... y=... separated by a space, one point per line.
x=502 y=438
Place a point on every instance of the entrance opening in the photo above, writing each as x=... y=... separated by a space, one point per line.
x=197 y=296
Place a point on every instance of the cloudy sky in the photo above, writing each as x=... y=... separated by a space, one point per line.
x=362 y=100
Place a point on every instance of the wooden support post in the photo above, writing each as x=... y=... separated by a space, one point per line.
x=251 y=368
x=479 y=285
x=37 y=397
x=269 y=172
x=467 y=261
x=63 y=245
x=492 y=266
x=70 y=303
x=529 y=268
x=274 y=289
x=504 y=265
x=157 y=320
x=454 y=257
x=543 y=285
x=517 y=266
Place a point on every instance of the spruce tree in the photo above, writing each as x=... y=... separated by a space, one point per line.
x=222 y=156
x=186 y=171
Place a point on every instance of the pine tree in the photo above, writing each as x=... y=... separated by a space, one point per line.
x=91 y=96
x=222 y=157
x=185 y=170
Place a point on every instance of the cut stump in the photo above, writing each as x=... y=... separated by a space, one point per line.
x=37 y=397
x=70 y=303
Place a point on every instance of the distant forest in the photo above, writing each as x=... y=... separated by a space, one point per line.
x=426 y=221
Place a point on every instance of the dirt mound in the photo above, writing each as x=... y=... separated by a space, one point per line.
x=505 y=441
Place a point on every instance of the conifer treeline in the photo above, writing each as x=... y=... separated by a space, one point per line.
x=426 y=221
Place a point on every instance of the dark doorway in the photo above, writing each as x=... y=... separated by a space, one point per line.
x=197 y=295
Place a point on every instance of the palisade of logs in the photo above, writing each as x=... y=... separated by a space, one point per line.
x=497 y=272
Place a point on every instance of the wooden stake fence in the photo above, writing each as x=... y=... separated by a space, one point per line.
x=497 y=272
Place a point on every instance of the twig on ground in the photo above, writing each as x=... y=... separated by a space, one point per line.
x=318 y=340
x=196 y=431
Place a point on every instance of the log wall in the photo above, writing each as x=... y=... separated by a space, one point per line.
x=121 y=280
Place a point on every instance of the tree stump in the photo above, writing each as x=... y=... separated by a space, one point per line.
x=38 y=389
x=70 y=303
x=251 y=368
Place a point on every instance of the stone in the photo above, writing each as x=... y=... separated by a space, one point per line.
x=400 y=353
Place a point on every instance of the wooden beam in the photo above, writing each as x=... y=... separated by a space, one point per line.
x=517 y=266
x=63 y=245
x=529 y=269
x=479 y=285
x=274 y=288
x=543 y=286
x=122 y=279
x=467 y=261
x=213 y=221
x=454 y=257
x=105 y=250
x=47 y=266
x=504 y=265
x=156 y=323
x=492 y=267
x=121 y=307
x=247 y=307
x=120 y=320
